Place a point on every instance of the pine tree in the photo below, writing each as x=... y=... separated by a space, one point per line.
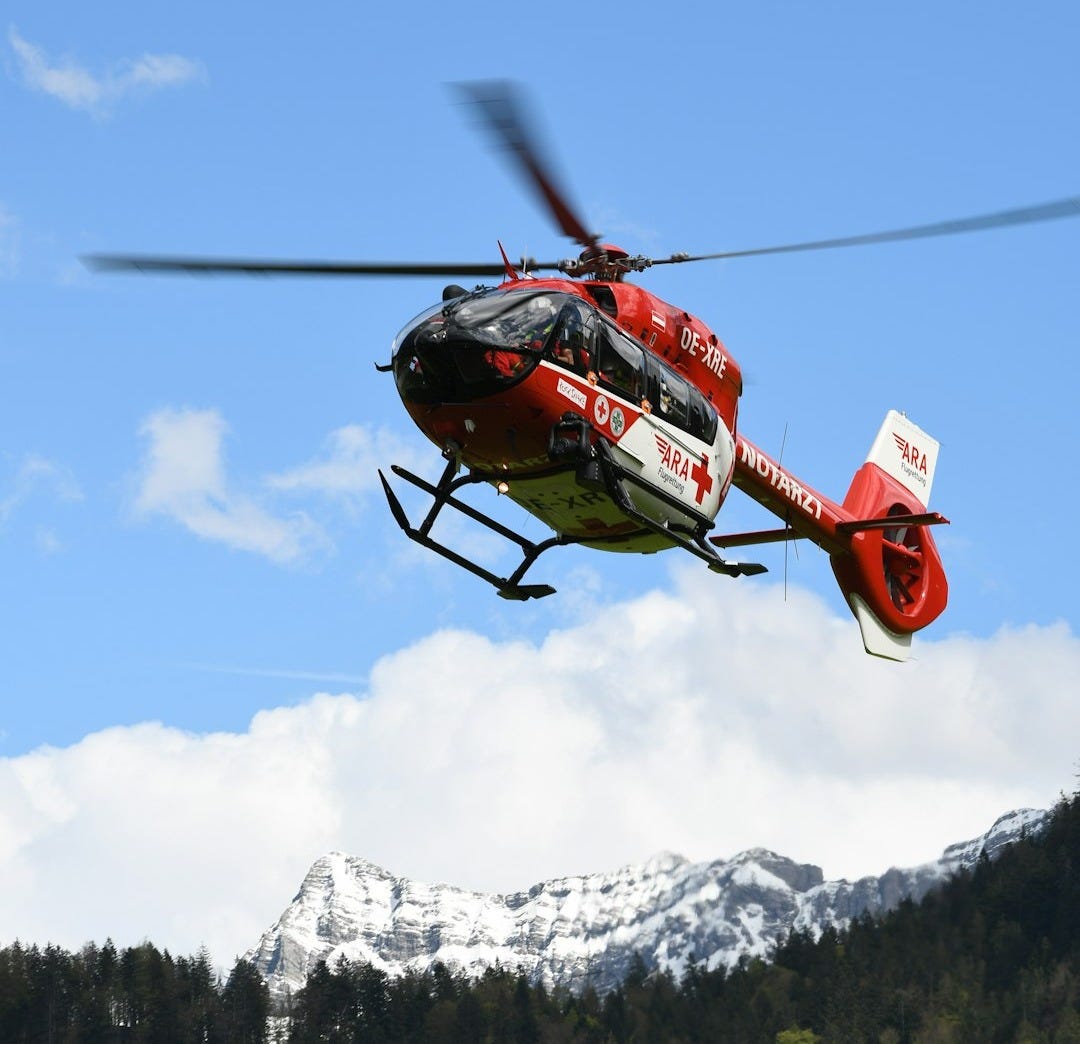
x=245 y=1005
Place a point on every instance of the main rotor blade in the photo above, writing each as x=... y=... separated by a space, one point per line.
x=253 y=266
x=497 y=101
x=1061 y=208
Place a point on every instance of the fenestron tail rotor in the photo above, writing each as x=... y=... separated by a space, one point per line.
x=902 y=562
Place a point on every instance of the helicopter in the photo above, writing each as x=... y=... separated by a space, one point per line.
x=612 y=415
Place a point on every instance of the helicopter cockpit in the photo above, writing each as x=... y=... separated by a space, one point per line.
x=473 y=345
x=480 y=343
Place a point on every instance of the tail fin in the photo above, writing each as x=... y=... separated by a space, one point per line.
x=892 y=577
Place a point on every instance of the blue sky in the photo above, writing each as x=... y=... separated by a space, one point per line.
x=190 y=532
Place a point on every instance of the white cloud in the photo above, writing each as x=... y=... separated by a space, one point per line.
x=161 y=70
x=77 y=88
x=348 y=469
x=37 y=475
x=705 y=720
x=183 y=477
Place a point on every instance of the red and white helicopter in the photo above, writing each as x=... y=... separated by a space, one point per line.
x=612 y=416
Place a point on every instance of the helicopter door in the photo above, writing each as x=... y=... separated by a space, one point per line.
x=621 y=364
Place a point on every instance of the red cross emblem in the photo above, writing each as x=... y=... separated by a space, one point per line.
x=700 y=474
x=601 y=410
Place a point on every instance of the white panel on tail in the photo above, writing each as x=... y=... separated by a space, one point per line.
x=904 y=451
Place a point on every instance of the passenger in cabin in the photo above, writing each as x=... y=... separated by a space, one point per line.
x=564 y=354
x=526 y=328
x=569 y=346
x=508 y=364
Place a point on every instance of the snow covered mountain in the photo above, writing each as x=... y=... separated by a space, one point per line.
x=585 y=930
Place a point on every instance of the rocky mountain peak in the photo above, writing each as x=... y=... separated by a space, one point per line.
x=586 y=930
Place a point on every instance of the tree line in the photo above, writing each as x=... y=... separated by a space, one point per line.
x=101 y=995
x=992 y=956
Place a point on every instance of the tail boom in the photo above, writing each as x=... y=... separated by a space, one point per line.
x=879 y=541
x=806 y=512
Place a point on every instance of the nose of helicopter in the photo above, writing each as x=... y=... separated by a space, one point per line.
x=471 y=346
x=437 y=365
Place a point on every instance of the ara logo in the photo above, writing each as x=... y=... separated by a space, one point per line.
x=672 y=459
x=911 y=455
x=683 y=467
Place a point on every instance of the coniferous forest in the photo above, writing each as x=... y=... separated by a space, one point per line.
x=993 y=955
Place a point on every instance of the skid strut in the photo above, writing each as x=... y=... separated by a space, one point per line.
x=571 y=444
x=443 y=494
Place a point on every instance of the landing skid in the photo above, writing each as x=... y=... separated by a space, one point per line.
x=596 y=468
x=443 y=494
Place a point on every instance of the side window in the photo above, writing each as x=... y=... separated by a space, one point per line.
x=679 y=402
x=674 y=405
x=621 y=364
x=702 y=417
x=573 y=342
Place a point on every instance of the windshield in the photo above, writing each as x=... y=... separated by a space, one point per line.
x=473 y=345
x=512 y=320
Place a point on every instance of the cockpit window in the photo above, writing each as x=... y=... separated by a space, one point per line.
x=572 y=342
x=425 y=316
x=514 y=320
x=473 y=346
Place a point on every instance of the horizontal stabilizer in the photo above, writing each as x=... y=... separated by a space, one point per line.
x=762 y=536
x=927 y=518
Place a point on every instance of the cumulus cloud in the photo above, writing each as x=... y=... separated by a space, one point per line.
x=80 y=89
x=706 y=720
x=183 y=477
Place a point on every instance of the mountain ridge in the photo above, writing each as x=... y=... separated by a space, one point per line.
x=585 y=930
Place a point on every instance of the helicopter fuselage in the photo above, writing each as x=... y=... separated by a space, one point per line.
x=506 y=379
